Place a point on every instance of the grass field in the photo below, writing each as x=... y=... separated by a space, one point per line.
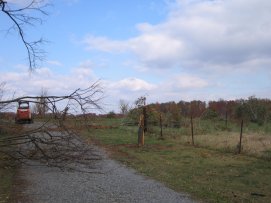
x=7 y=167
x=208 y=171
x=7 y=174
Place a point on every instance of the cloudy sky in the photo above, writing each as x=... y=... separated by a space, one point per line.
x=167 y=50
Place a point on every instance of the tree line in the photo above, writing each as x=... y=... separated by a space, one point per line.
x=252 y=109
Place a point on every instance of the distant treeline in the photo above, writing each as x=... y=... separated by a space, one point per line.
x=252 y=109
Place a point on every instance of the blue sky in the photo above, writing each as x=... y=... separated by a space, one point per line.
x=168 y=50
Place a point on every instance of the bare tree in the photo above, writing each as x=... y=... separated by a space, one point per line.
x=3 y=91
x=141 y=101
x=53 y=141
x=22 y=16
x=124 y=106
x=41 y=107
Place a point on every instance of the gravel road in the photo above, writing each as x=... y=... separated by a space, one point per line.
x=107 y=181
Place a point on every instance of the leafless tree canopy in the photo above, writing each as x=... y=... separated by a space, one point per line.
x=41 y=108
x=51 y=140
x=124 y=106
x=141 y=101
x=3 y=91
x=27 y=15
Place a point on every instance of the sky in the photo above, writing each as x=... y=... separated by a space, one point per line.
x=166 y=50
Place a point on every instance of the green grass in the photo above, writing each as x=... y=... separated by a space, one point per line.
x=204 y=172
x=6 y=180
x=7 y=174
x=7 y=165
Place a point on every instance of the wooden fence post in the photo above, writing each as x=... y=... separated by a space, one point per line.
x=241 y=135
x=192 y=130
x=141 y=130
x=145 y=118
x=161 y=127
x=226 y=119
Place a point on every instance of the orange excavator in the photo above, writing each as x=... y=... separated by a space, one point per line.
x=23 y=114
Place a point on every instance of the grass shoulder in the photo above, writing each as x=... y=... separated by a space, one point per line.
x=207 y=174
x=8 y=166
x=7 y=177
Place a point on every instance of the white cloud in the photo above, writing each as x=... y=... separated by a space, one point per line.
x=133 y=84
x=189 y=82
x=156 y=48
x=10 y=76
x=84 y=69
x=210 y=32
x=42 y=72
x=104 y=44
x=26 y=83
x=176 y=88
x=54 y=62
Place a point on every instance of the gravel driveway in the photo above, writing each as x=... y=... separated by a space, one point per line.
x=107 y=181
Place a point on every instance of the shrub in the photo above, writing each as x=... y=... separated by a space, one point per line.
x=210 y=114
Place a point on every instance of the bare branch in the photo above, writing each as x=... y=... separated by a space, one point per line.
x=21 y=17
x=3 y=91
x=50 y=141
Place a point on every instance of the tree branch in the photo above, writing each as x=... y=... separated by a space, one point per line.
x=51 y=141
x=19 y=18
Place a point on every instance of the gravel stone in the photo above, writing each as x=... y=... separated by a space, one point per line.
x=109 y=181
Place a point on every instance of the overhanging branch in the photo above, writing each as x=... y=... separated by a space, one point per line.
x=21 y=17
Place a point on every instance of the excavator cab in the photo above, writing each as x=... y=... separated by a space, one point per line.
x=23 y=114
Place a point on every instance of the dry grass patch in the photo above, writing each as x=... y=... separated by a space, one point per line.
x=252 y=144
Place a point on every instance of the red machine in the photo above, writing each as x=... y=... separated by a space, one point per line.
x=23 y=113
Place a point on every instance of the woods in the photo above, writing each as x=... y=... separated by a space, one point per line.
x=254 y=110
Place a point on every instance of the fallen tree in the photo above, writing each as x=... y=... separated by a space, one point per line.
x=51 y=140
